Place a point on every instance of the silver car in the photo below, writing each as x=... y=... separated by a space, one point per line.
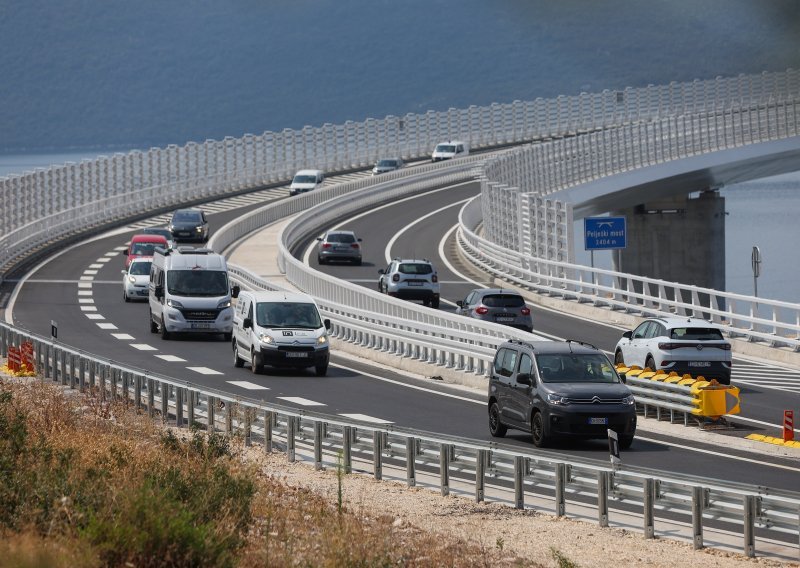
x=411 y=279
x=497 y=305
x=136 y=278
x=339 y=245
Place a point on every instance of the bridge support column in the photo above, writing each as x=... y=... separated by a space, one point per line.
x=680 y=239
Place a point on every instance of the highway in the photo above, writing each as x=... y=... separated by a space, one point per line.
x=80 y=289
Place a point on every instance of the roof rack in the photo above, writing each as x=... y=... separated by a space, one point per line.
x=584 y=343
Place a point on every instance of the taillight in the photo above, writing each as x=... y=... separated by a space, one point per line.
x=396 y=278
x=354 y=245
x=326 y=245
x=481 y=310
x=669 y=346
x=525 y=312
x=434 y=278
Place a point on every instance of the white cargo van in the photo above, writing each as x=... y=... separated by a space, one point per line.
x=306 y=180
x=189 y=292
x=279 y=329
x=449 y=150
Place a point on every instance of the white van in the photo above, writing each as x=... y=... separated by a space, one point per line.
x=449 y=150
x=189 y=292
x=306 y=180
x=279 y=329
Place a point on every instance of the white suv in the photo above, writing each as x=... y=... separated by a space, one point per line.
x=411 y=280
x=683 y=345
x=449 y=150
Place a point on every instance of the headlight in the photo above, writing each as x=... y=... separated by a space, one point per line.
x=266 y=339
x=557 y=399
x=199 y=229
x=174 y=304
x=224 y=304
x=322 y=340
x=629 y=400
x=131 y=279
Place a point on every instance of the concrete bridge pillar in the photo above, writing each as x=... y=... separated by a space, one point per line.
x=679 y=239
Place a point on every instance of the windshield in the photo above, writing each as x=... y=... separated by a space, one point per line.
x=163 y=232
x=695 y=333
x=287 y=314
x=197 y=282
x=446 y=148
x=575 y=368
x=340 y=238
x=305 y=179
x=387 y=164
x=186 y=217
x=144 y=249
x=139 y=268
x=503 y=301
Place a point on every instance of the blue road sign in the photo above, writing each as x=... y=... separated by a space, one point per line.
x=604 y=233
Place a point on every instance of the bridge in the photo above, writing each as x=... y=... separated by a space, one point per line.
x=61 y=204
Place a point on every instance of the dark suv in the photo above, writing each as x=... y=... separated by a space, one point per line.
x=556 y=389
x=189 y=225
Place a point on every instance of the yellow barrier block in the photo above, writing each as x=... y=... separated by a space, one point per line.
x=756 y=437
x=634 y=372
x=647 y=374
x=686 y=382
x=673 y=380
x=718 y=400
x=793 y=444
x=662 y=375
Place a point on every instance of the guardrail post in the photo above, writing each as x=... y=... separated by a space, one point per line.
x=164 y=401
x=480 y=475
x=112 y=377
x=103 y=370
x=191 y=401
x=318 y=436
x=72 y=370
x=46 y=361
x=698 y=504
x=81 y=373
x=347 y=448
x=92 y=374
x=228 y=418
x=411 y=457
x=749 y=503
x=210 y=402
x=268 y=419
x=603 y=478
x=137 y=391
x=519 y=486
x=561 y=481
x=291 y=426
x=377 y=454
x=62 y=360
x=179 y=411
x=444 y=469
x=649 y=505
x=125 y=385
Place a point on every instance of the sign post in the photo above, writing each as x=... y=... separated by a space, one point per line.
x=613 y=448
x=53 y=329
x=755 y=261
x=788 y=425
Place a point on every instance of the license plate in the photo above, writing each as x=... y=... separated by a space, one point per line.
x=414 y=283
x=699 y=364
x=341 y=248
x=598 y=420
x=505 y=319
x=298 y=354
x=201 y=325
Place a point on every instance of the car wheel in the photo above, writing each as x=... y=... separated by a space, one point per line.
x=537 y=430
x=153 y=324
x=164 y=333
x=227 y=336
x=320 y=260
x=321 y=370
x=238 y=362
x=357 y=262
x=650 y=363
x=125 y=295
x=496 y=428
x=619 y=359
x=625 y=442
x=426 y=302
x=255 y=363
x=435 y=303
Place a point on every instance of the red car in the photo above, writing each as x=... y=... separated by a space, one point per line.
x=144 y=245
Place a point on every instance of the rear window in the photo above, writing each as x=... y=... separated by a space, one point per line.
x=415 y=268
x=448 y=148
x=341 y=238
x=503 y=301
x=305 y=179
x=696 y=333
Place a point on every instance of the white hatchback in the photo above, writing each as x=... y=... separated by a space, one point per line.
x=136 y=278
x=683 y=345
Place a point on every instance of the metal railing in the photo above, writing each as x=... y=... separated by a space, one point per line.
x=696 y=509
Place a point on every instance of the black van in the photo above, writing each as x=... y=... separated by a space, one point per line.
x=556 y=389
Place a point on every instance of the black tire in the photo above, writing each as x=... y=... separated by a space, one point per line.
x=538 y=436
x=125 y=295
x=426 y=302
x=496 y=428
x=321 y=370
x=357 y=262
x=320 y=260
x=625 y=442
x=238 y=362
x=164 y=333
x=618 y=358
x=435 y=303
x=227 y=336
x=650 y=363
x=256 y=366
x=153 y=324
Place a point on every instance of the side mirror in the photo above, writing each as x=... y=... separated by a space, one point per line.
x=381 y=271
x=247 y=323
x=235 y=292
x=124 y=271
x=319 y=238
x=460 y=303
x=524 y=379
x=359 y=240
x=327 y=323
x=126 y=252
x=627 y=334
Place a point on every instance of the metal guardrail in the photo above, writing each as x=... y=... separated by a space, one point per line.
x=762 y=517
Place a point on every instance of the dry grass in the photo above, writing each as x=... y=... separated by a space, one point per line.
x=92 y=483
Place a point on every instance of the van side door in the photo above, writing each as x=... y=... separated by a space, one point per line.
x=243 y=305
x=520 y=398
x=502 y=371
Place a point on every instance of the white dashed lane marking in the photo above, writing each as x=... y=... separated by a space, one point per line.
x=123 y=336
x=204 y=371
x=86 y=300
x=106 y=325
x=248 y=385
x=89 y=308
x=365 y=418
x=95 y=316
x=301 y=401
x=143 y=347
x=171 y=358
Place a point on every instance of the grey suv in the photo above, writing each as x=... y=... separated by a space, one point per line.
x=412 y=280
x=339 y=245
x=497 y=305
x=556 y=389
